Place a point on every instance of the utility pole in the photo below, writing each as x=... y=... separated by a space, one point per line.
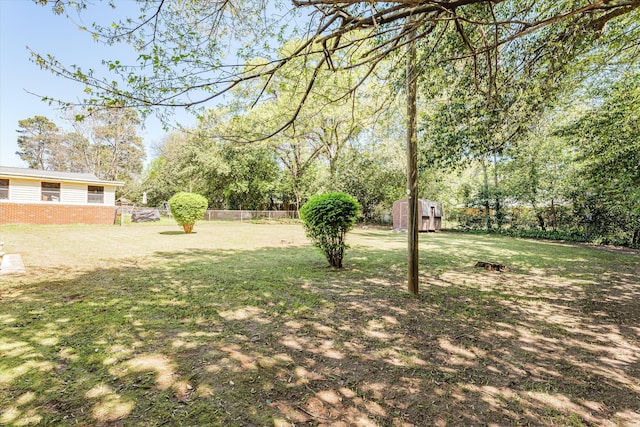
x=412 y=163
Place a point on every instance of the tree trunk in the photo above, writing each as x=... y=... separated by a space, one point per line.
x=539 y=216
x=485 y=196
x=412 y=165
x=499 y=213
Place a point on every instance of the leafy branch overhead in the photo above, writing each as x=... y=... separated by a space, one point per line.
x=183 y=48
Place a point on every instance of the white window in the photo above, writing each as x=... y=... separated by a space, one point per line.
x=50 y=191
x=4 y=189
x=95 y=194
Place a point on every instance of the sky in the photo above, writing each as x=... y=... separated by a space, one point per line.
x=22 y=24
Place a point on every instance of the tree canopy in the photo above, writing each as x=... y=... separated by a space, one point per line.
x=37 y=141
x=182 y=47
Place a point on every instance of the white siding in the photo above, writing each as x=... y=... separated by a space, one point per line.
x=24 y=190
x=109 y=195
x=71 y=193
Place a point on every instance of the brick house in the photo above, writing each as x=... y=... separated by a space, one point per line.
x=30 y=196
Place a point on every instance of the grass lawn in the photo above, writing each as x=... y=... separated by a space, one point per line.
x=243 y=324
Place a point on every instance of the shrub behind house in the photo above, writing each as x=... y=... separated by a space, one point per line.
x=327 y=218
x=187 y=208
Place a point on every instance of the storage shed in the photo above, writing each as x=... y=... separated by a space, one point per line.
x=429 y=215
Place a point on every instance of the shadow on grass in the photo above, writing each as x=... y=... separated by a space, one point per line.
x=273 y=337
x=174 y=233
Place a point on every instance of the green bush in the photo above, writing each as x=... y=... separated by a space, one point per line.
x=327 y=218
x=187 y=208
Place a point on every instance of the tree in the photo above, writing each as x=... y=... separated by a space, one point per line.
x=78 y=152
x=196 y=160
x=252 y=178
x=38 y=140
x=187 y=161
x=374 y=177
x=327 y=218
x=294 y=150
x=105 y=143
x=187 y=208
x=607 y=137
x=538 y=170
x=325 y=125
x=481 y=108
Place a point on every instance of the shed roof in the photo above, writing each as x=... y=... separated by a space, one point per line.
x=26 y=173
x=428 y=204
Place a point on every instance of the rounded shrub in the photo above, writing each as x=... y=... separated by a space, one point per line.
x=187 y=208
x=327 y=218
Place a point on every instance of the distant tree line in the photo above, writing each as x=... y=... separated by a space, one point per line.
x=105 y=143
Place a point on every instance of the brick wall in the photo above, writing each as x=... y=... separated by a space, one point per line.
x=43 y=213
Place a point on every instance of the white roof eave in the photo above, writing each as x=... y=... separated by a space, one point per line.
x=61 y=179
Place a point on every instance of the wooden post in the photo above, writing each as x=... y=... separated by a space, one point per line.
x=412 y=165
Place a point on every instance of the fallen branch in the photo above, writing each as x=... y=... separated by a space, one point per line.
x=491 y=266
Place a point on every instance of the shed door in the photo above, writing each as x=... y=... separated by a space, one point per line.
x=404 y=215
x=432 y=219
